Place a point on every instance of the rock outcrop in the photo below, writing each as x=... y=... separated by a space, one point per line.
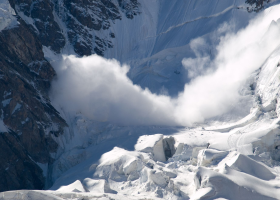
x=256 y=5
x=57 y=22
x=39 y=16
x=25 y=110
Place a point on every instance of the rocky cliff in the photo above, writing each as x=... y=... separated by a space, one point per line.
x=25 y=110
x=63 y=22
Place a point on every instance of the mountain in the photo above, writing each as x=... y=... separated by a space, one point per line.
x=167 y=44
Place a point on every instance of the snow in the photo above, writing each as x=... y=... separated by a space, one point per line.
x=27 y=194
x=162 y=32
x=206 y=156
x=2 y=126
x=6 y=102
x=26 y=120
x=242 y=186
x=234 y=158
x=7 y=15
x=17 y=107
x=97 y=186
x=74 y=187
x=249 y=166
x=151 y=144
x=138 y=174
x=44 y=167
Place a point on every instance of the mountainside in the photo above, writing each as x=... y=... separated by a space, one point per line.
x=99 y=148
x=26 y=111
x=144 y=34
x=31 y=123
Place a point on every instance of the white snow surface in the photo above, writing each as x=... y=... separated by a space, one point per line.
x=229 y=156
x=155 y=42
x=101 y=89
x=2 y=126
x=7 y=15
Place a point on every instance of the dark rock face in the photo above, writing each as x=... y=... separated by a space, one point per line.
x=25 y=109
x=256 y=5
x=43 y=22
x=129 y=7
x=18 y=170
x=81 y=19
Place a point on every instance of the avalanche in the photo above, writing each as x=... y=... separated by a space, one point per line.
x=225 y=154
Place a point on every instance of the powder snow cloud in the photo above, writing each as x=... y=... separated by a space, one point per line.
x=100 y=89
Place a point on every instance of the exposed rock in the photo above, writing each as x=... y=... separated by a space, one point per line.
x=25 y=109
x=83 y=19
x=17 y=170
x=39 y=15
x=129 y=7
x=58 y=21
x=256 y=5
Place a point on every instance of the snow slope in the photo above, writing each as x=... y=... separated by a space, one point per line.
x=212 y=160
x=230 y=161
x=155 y=42
x=233 y=161
x=156 y=166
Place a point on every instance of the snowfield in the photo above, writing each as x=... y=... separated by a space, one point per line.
x=211 y=141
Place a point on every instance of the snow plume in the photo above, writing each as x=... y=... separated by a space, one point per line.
x=100 y=89
x=238 y=55
x=199 y=65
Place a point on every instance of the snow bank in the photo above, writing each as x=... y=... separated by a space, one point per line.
x=249 y=166
x=183 y=152
x=77 y=186
x=97 y=186
x=151 y=144
x=119 y=165
x=207 y=156
x=28 y=194
x=232 y=185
